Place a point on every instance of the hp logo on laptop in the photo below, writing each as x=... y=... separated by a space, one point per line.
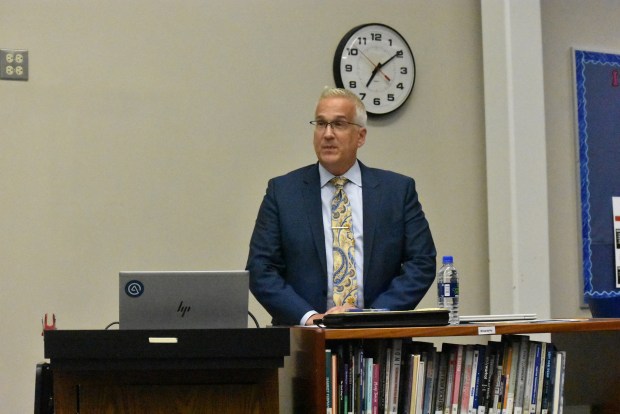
x=134 y=288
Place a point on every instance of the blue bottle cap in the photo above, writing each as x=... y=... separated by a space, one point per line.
x=448 y=259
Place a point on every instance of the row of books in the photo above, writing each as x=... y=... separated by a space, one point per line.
x=400 y=376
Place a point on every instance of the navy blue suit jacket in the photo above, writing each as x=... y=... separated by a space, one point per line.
x=288 y=271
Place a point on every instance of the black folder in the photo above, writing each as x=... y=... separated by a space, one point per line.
x=386 y=319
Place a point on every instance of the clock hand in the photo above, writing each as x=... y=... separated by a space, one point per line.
x=372 y=75
x=377 y=68
x=386 y=62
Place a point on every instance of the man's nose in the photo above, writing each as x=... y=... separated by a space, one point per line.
x=329 y=131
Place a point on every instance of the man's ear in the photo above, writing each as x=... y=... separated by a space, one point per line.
x=362 y=137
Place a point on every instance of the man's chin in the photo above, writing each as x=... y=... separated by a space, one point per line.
x=328 y=161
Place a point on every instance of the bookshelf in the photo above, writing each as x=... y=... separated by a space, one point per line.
x=308 y=347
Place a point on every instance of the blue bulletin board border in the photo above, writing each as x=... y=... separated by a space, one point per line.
x=593 y=249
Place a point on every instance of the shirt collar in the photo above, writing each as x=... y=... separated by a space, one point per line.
x=354 y=175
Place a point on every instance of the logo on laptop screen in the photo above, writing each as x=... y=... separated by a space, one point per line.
x=134 y=288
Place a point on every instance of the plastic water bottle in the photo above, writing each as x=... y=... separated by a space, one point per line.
x=448 y=289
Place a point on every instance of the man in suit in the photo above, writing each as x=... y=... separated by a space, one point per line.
x=392 y=254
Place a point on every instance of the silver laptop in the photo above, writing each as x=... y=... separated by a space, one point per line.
x=514 y=317
x=183 y=300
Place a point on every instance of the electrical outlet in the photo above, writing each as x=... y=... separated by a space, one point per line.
x=13 y=64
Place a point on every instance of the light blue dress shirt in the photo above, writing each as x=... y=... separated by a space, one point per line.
x=353 y=188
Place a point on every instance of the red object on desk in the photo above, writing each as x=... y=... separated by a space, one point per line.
x=47 y=326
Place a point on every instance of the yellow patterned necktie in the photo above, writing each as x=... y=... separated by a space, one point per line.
x=343 y=247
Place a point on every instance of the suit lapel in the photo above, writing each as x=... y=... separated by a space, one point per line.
x=372 y=198
x=313 y=209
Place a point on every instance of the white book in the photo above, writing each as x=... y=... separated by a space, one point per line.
x=558 y=387
x=420 y=387
x=368 y=380
x=415 y=368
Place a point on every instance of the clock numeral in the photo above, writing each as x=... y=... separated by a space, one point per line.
x=400 y=86
x=352 y=51
x=390 y=97
x=362 y=95
x=376 y=101
x=352 y=84
x=376 y=37
x=361 y=40
x=400 y=54
x=403 y=70
x=348 y=68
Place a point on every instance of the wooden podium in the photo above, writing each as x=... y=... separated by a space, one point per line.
x=171 y=371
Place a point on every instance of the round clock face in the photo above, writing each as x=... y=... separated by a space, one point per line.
x=375 y=62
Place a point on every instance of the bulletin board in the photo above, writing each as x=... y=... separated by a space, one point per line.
x=597 y=92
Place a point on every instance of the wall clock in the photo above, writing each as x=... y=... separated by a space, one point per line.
x=375 y=62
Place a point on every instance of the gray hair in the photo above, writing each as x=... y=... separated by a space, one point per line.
x=360 y=109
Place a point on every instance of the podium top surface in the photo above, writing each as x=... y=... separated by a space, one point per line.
x=165 y=346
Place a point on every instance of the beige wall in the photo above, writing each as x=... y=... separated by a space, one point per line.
x=141 y=118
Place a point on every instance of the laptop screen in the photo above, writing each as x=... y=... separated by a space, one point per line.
x=183 y=299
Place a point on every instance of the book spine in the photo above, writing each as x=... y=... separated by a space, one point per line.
x=395 y=375
x=407 y=381
x=409 y=349
x=442 y=376
x=450 y=379
x=544 y=401
x=458 y=373
x=376 y=373
x=346 y=389
x=529 y=377
x=487 y=372
x=506 y=367
x=335 y=379
x=368 y=385
x=497 y=383
x=475 y=380
x=541 y=377
x=385 y=388
x=466 y=378
x=558 y=382
x=360 y=399
x=341 y=379
x=431 y=383
x=352 y=378
x=535 y=378
x=512 y=379
x=328 y=380
x=413 y=385
x=420 y=388
x=521 y=374
x=497 y=380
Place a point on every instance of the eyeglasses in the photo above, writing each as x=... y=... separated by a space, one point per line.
x=338 y=125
